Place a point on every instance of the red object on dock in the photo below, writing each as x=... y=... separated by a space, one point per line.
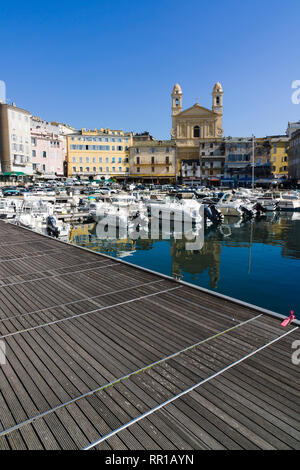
x=288 y=320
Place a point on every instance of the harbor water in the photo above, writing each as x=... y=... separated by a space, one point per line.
x=257 y=261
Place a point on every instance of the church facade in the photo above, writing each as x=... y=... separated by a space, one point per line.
x=196 y=129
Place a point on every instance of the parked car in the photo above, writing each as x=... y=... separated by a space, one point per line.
x=11 y=192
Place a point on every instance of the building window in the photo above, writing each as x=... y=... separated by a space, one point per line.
x=44 y=167
x=107 y=169
x=74 y=159
x=167 y=160
x=34 y=166
x=44 y=154
x=33 y=153
x=138 y=160
x=74 y=169
x=138 y=169
x=152 y=169
x=196 y=131
x=81 y=169
x=152 y=160
x=87 y=169
x=100 y=169
x=120 y=168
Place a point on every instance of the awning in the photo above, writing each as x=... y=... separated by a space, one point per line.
x=266 y=180
x=246 y=179
x=13 y=173
x=46 y=176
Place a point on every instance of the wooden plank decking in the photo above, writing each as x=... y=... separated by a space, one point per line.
x=104 y=355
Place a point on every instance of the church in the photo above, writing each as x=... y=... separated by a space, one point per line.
x=196 y=125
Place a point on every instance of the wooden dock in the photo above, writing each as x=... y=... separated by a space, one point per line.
x=104 y=355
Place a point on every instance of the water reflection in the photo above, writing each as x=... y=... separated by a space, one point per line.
x=257 y=261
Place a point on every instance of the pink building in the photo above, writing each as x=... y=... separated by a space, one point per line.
x=48 y=146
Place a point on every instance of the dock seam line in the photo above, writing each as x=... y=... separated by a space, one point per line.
x=44 y=253
x=57 y=275
x=179 y=395
x=84 y=299
x=88 y=313
x=127 y=376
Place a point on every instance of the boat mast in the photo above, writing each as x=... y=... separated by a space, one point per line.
x=253 y=162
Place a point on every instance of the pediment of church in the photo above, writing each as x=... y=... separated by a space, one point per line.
x=197 y=111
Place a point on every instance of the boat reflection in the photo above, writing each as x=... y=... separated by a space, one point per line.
x=277 y=230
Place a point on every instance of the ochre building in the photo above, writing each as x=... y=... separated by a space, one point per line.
x=196 y=125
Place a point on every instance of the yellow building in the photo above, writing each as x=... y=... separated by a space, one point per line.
x=99 y=153
x=153 y=161
x=279 y=147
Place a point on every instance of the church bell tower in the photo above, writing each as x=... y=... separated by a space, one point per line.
x=217 y=98
x=176 y=106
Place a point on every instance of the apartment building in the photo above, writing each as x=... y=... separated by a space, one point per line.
x=209 y=167
x=153 y=161
x=48 y=146
x=101 y=153
x=15 y=140
x=294 y=156
x=279 y=149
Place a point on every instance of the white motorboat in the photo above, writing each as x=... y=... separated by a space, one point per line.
x=231 y=205
x=290 y=201
x=269 y=200
x=228 y=205
x=9 y=207
x=185 y=209
x=45 y=224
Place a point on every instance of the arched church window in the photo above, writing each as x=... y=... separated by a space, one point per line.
x=196 y=131
x=218 y=100
x=177 y=102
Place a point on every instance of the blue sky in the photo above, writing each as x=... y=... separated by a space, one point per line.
x=114 y=63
